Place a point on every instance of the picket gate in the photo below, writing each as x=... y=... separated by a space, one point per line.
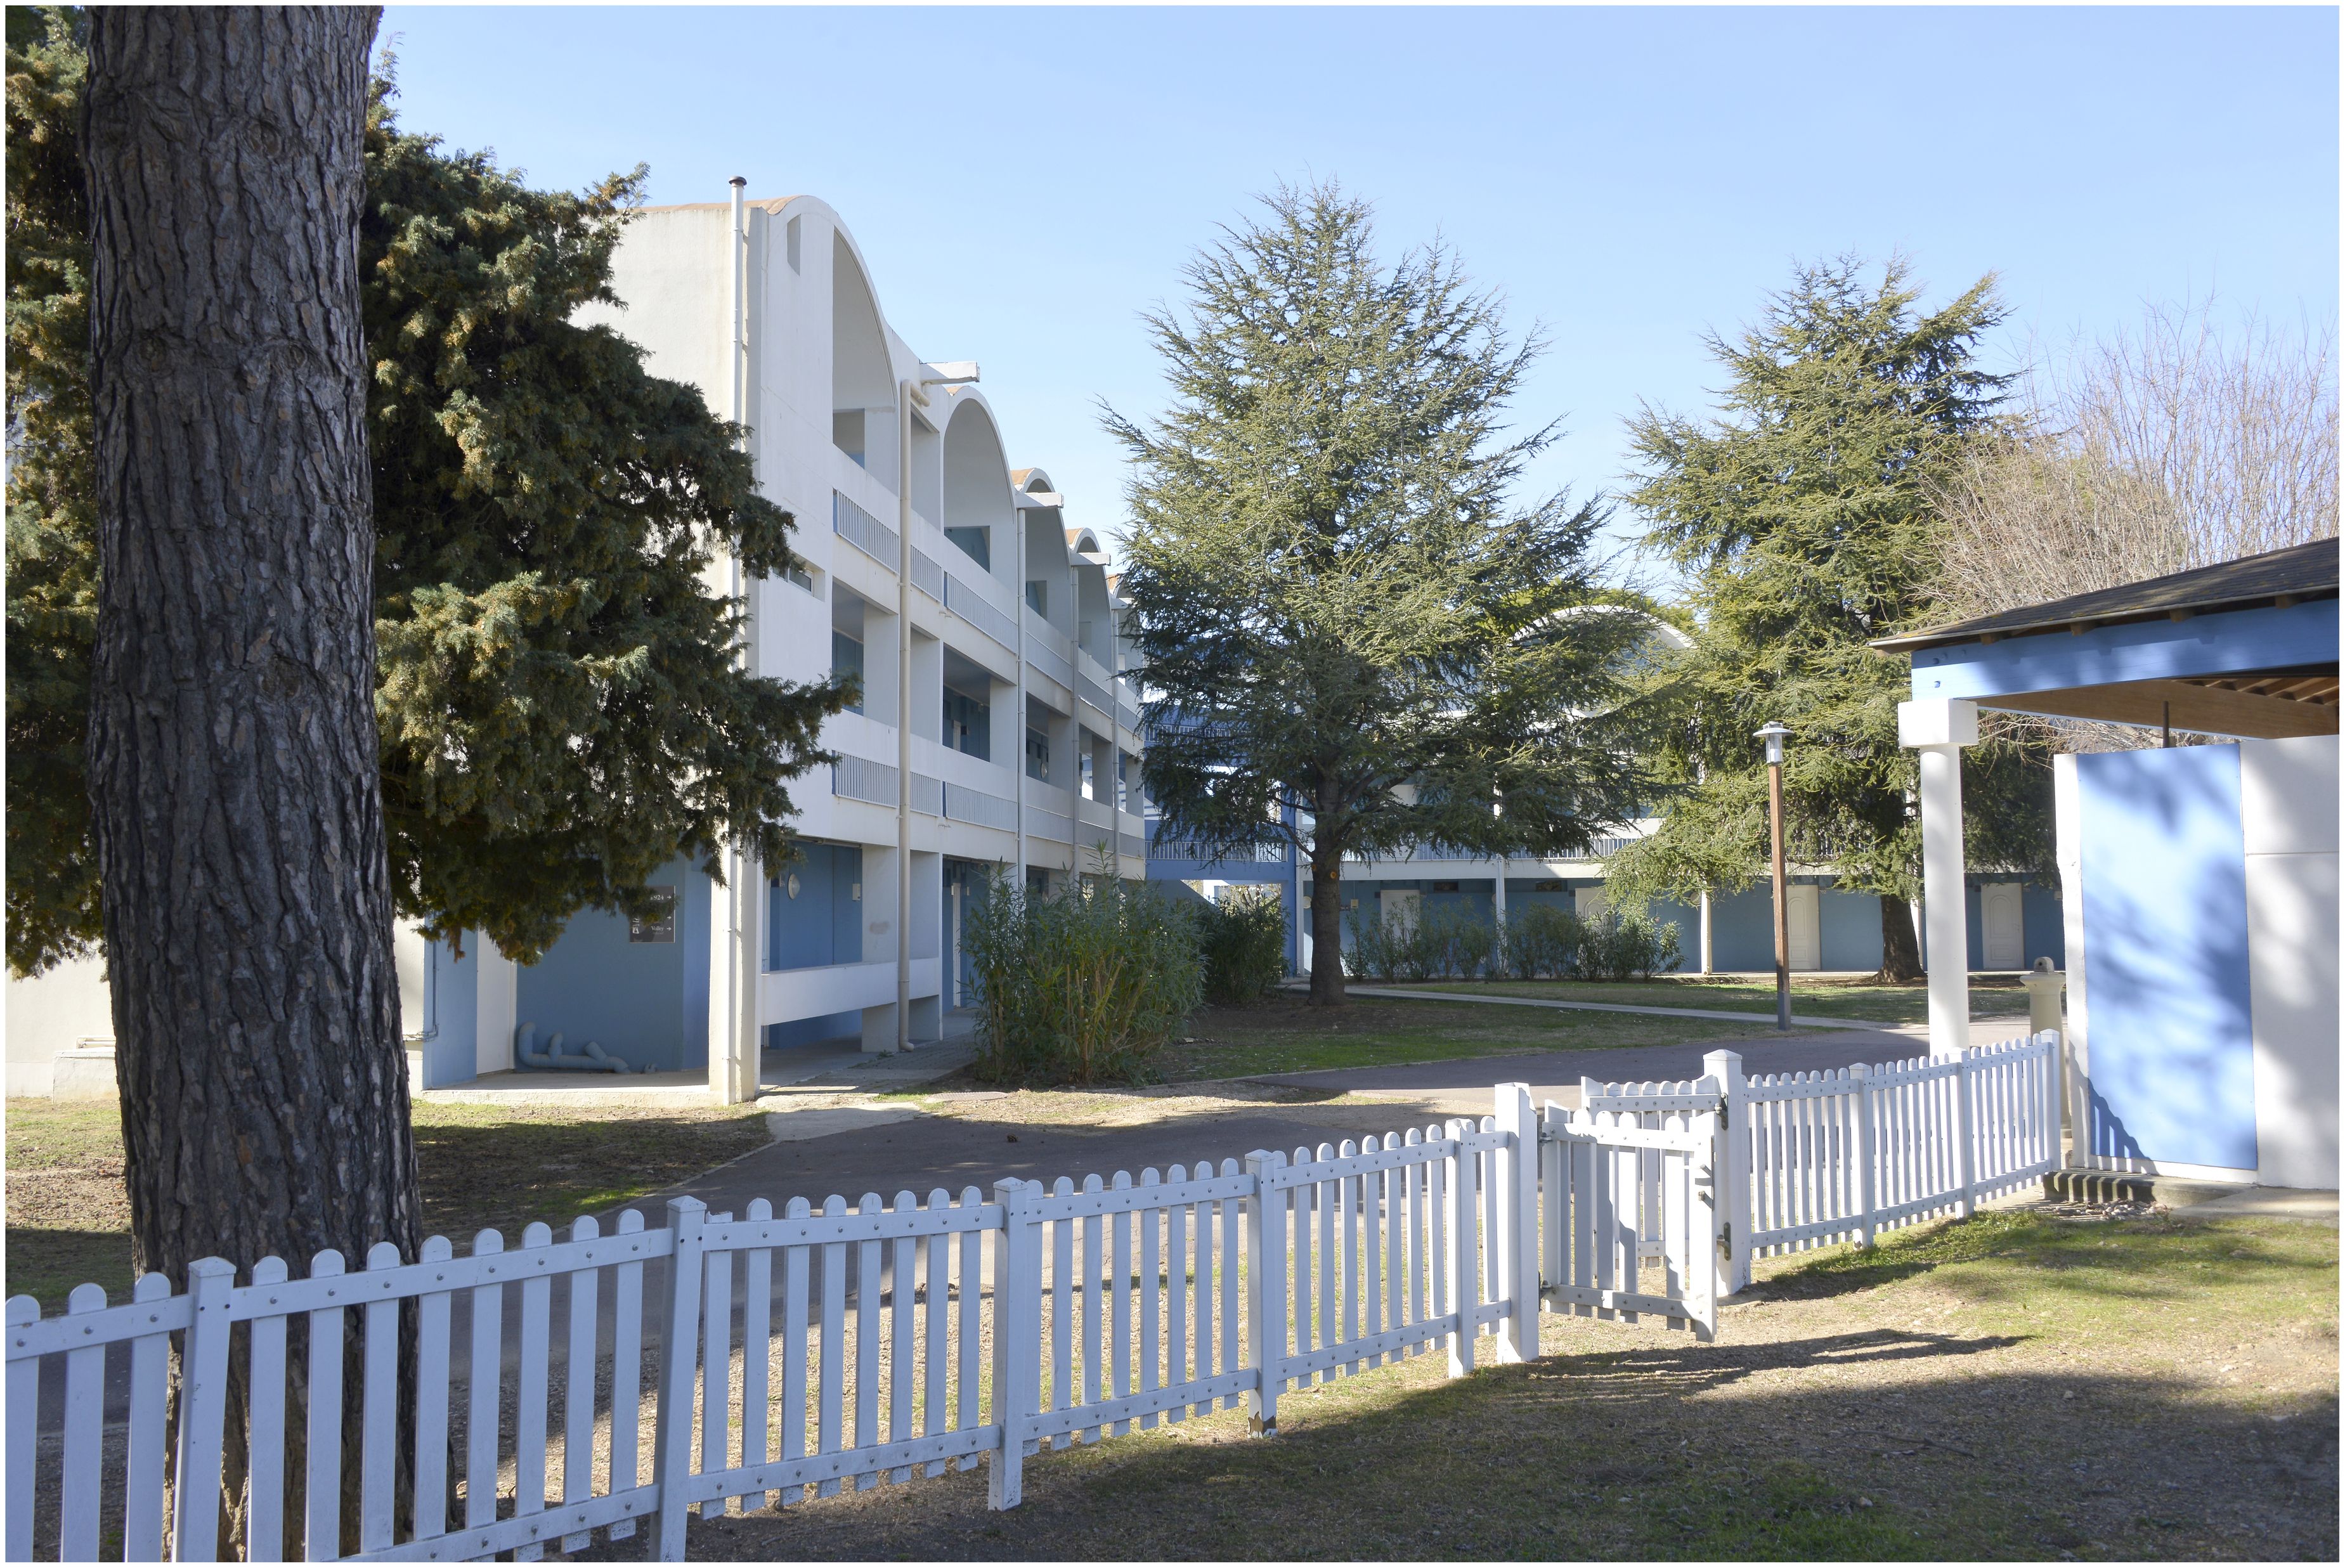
x=1808 y=1160
x=821 y=1349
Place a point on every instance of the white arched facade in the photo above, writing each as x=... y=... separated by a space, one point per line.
x=996 y=732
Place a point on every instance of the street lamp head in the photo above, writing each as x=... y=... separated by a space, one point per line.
x=1774 y=734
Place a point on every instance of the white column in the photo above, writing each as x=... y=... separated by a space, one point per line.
x=1939 y=728
x=496 y=1008
x=1705 y=931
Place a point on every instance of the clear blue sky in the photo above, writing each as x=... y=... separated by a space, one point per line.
x=1025 y=181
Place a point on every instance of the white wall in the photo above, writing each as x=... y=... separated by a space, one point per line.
x=55 y=1012
x=2287 y=808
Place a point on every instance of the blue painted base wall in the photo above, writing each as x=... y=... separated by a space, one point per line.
x=646 y=1002
x=2163 y=859
x=451 y=1054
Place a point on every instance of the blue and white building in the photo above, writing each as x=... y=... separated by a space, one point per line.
x=2198 y=883
x=2009 y=923
x=996 y=729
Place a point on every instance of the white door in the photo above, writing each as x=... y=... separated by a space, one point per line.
x=1587 y=902
x=2003 y=940
x=1807 y=927
x=1399 y=904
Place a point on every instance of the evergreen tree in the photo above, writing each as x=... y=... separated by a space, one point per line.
x=1802 y=519
x=559 y=708
x=1336 y=607
x=53 y=903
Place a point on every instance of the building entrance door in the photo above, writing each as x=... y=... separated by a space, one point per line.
x=2003 y=942
x=1807 y=926
x=1399 y=905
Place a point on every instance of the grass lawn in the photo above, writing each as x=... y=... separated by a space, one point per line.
x=481 y=1166
x=1284 y=1035
x=1823 y=999
x=2017 y=1386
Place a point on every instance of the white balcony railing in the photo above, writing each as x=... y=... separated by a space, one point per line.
x=863 y=530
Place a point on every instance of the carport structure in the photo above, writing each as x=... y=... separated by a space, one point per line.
x=2198 y=883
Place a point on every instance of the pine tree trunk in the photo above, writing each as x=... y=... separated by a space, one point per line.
x=1900 y=954
x=234 y=786
x=1326 y=928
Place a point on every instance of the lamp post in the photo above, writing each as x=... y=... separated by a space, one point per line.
x=1774 y=735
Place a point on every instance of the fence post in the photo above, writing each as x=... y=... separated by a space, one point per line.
x=1733 y=1165
x=1866 y=1193
x=2052 y=1074
x=1017 y=1336
x=680 y=1363
x=1266 y=1292
x=1464 y=1259
x=1966 y=1156
x=203 y=1411
x=1517 y=1239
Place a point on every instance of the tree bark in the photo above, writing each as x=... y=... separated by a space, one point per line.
x=234 y=783
x=1900 y=954
x=1326 y=928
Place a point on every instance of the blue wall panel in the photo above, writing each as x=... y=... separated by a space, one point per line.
x=822 y=924
x=647 y=1002
x=2047 y=936
x=1849 y=925
x=451 y=1048
x=810 y=1031
x=2166 y=954
x=1744 y=939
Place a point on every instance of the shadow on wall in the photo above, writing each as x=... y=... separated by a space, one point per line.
x=641 y=990
x=2168 y=1036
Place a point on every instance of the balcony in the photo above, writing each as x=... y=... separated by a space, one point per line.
x=864 y=532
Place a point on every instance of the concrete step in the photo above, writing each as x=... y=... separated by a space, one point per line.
x=2111 y=1187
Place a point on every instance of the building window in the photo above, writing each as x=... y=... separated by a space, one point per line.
x=1091 y=789
x=659 y=926
x=1445 y=887
x=847 y=659
x=1038 y=597
x=968 y=725
x=1038 y=755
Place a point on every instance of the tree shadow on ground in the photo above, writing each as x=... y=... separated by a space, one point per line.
x=1864 y=1445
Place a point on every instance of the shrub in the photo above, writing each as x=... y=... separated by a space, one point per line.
x=1626 y=945
x=1542 y=942
x=1380 y=948
x=1242 y=942
x=1084 y=986
x=1449 y=942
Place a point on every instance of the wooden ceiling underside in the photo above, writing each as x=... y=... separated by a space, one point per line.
x=2258 y=704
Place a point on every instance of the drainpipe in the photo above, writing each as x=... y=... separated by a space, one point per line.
x=1018 y=608
x=733 y=1042
x=907 y=392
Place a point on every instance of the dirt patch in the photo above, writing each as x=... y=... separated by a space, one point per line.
x=2017 y=1386
x=482 y=1167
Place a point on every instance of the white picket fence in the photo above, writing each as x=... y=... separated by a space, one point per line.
x=1812 y=1158
x=819 y=1350
x=843 y=1347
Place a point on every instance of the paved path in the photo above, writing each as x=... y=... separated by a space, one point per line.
x=970 y=1148
x=1801 y=1020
